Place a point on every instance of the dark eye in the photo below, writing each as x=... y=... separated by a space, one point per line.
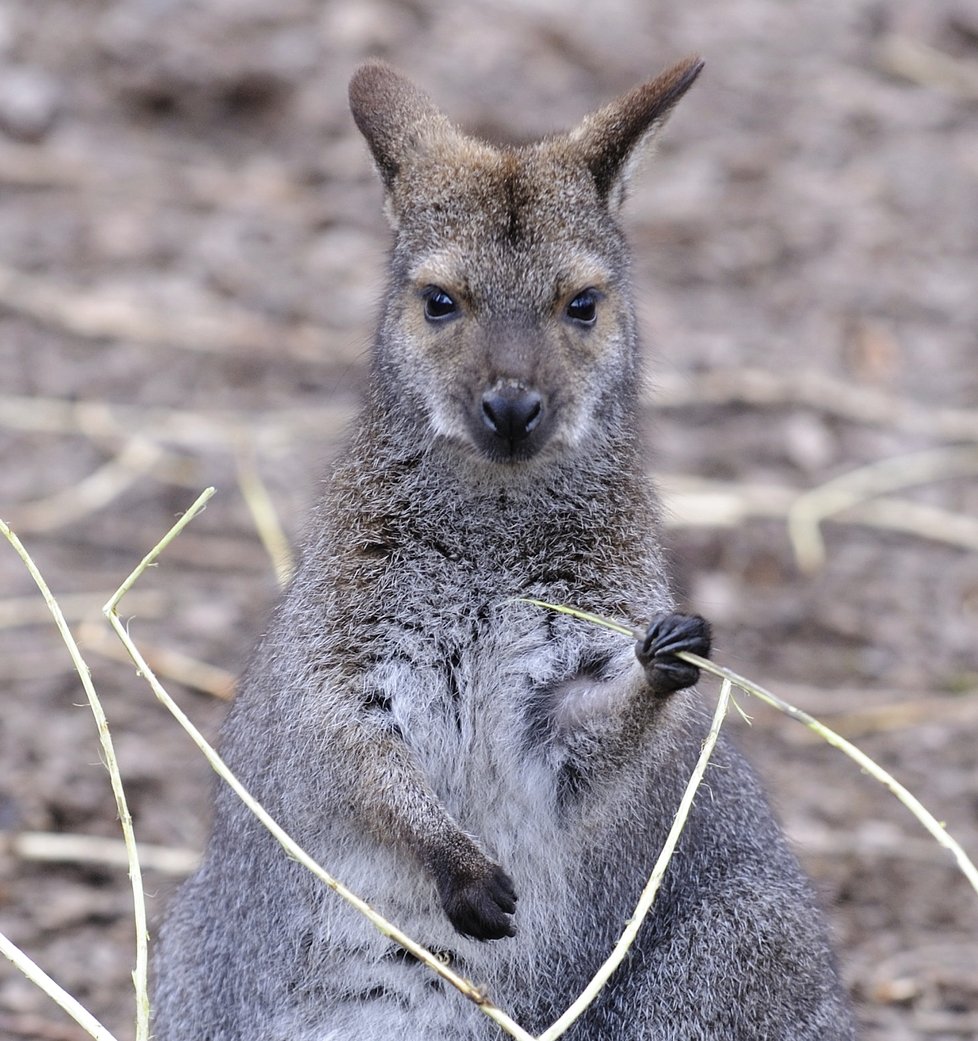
x=583 y=308
x=438 y=304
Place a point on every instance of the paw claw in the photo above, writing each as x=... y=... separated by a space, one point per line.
x=666 y=636
x=481 y=907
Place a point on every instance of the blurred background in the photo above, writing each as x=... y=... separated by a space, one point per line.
x=191 y=254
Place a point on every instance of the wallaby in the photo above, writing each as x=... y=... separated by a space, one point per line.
x=495 y=778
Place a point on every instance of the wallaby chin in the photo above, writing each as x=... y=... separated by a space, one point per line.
x=495 y=778
x=503 y=451
x=529 y=460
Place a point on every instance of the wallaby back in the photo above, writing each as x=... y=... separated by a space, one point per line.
x=495 y=778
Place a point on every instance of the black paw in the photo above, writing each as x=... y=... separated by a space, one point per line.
x=481 y=907
x=666 y=635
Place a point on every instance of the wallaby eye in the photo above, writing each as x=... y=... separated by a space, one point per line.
x=438 y=304
x=583 y=308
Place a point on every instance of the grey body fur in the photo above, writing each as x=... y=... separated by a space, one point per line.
x=415 y=728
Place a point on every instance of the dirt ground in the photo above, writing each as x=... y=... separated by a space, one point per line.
x=191 y=250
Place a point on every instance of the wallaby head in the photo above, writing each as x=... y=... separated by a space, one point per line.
x=508 y=330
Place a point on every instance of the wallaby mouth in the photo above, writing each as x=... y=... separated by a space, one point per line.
x=512 y=422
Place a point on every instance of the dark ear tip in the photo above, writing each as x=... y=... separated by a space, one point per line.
x=373 y=75
x=695 y=64
x=683 y=74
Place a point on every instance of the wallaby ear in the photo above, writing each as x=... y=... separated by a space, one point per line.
x=395 y=117
x=611 y=139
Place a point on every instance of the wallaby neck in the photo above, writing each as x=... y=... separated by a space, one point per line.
x=401 y=486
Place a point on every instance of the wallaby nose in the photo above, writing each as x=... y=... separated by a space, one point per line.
x=512 y=412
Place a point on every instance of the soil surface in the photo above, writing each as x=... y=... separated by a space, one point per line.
x=191 y=253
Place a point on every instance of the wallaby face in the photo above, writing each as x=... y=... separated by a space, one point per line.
x=494 y=778
x=509 y=326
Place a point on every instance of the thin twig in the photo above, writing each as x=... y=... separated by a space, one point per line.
x=100 y=421
x=584 y=616
x=950 y=709
x=55 y=991
x=912 y=803
x=112 y=765
x=99 y=313
x=818 y=391
x=867 y=482
x=693 y=502
x=92 y=492
x=182 y=668
x=927 y=66
x=59 y=848
x=291 y=847
x=28 y=610
x=264 y=515
x=919 y=519
x=647 y=899
x=933 y=826
x=199 y=503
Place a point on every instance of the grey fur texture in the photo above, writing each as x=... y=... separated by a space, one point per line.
x=471 y=765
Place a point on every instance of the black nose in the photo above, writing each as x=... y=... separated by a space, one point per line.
x=512 y=412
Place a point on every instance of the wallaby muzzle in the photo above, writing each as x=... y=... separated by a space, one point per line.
x=513 y=421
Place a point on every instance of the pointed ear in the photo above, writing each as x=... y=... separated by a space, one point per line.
x=397 y=119
x=610 y=140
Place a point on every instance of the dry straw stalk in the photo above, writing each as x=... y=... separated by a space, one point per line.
x=72 y=1007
